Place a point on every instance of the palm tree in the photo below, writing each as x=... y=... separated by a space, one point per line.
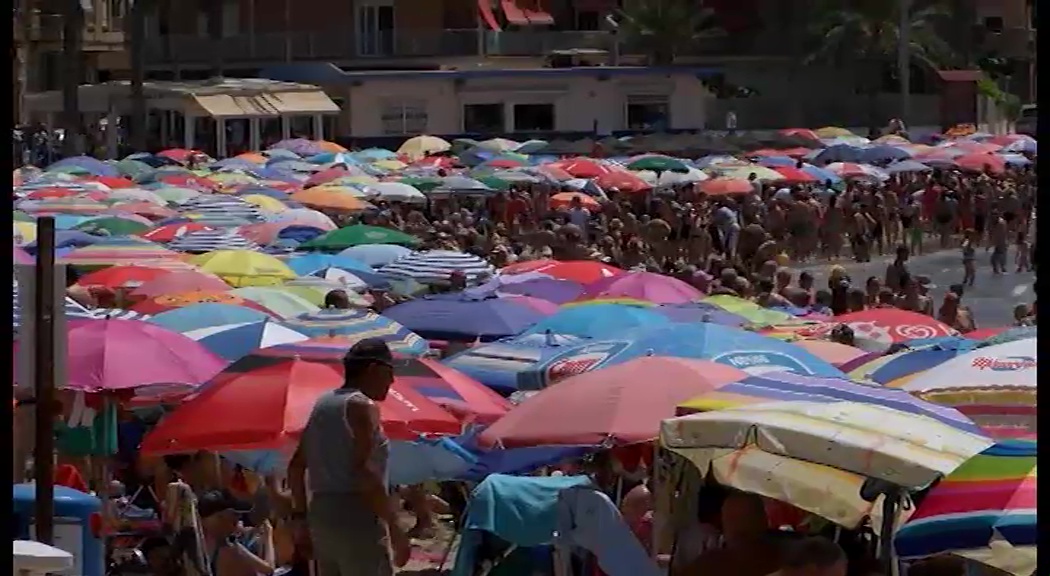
x=864 y=35
x=72 y=44
x=664 y=28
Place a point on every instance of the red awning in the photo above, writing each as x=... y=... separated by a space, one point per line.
x=487 y=16
x=513 y=13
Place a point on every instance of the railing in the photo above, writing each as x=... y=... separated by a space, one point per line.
x=384 y=44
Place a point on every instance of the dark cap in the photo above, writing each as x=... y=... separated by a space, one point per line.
x=367 y=351
x=215 y=501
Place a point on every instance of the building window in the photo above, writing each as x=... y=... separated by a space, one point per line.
x=404 y=117
x=533 y=117
x=484 y=118
x=588 y=20
x=993 y=24
x=648 y=113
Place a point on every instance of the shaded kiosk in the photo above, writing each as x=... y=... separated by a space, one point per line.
x=218 y=115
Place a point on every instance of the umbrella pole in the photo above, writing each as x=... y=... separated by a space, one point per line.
x=890 y=501
x=44 y=382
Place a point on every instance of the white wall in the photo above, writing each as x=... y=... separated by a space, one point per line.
x=581 y=102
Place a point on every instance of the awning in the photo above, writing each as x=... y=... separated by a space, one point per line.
x=291 y=103
x=487 y=16
x=227 y=106
x=266 y=105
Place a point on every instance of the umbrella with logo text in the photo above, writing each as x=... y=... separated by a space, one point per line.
x=879 y=328
x=263 y=401
x=582 y=271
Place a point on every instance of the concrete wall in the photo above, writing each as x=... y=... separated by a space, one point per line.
x=581 y=103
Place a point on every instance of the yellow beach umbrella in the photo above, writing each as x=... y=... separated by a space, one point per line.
x=356 y=180
x=240 y=268
x=833 y=132
x=266 y=203
x=24 y=233
x=744 y=172
x=421 y=146
x=391 y=165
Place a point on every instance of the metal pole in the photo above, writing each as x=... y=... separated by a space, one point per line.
x=44 y=372
x=904 y=59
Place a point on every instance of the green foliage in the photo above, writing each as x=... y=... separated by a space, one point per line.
x=868 y=31
x=663 y=28
x=1007 y=103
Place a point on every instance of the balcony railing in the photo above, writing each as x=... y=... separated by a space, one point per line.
x=386 y=44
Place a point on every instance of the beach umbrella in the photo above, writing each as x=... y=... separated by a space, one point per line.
x=170 y=232
x=329 y=278
x=300 y=147
x=331 y=198
x=513 y=363
x=421 y=146
x=122 y=276
x=394 y=192
x=700 y=312
x=277 y=300
x=356 y=325
x=897 y=369
x=792 y=175
x=110 y=355
x=463 y=319
x=906 y=166
x=67 y=239
x=359 y=234
x=993 y=385
x=306 y=216
x=1009 y=335
x=117 y=250
x=581 y=271
x=452 y=184
x=582 y=167
x=849 y=170
x=623 y=181
x=646 y=286
x=203 y=241
x=216 y=208
x=753 y=313
x=597 y=320
x=726 y=186
x=831 y=352
x=268 y=204
x=608 y=408
x=658 y=163
x=67 y=205
x=437 y=266
x=263 y=402
x=176 y=282
x=985 y=510
x=883 y=153
x=22 y=257
x=135 y=195
x=376 y=255
x=182 y=155
x=544 y=288
x=987 y=163
x=241 y=268
x=1022 y=146
x=315 y=289
x=785 y=386
x=744 y=173
x=83 y=165
x=157 y=305
x=174 y=194
x=878 y=329
x=308 y=263
x=197 y=316
x=271 y=233
x=235 y=341
x=24 y=233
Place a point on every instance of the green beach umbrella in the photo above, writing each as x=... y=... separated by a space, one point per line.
x=113 y=226
x=357 y=235
x=659 y=164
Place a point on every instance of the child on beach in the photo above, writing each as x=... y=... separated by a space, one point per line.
x=969 y=257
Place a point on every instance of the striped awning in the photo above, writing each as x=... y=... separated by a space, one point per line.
x=209 y=240
x=437 y=266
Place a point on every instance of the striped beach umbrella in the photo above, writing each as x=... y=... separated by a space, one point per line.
x=203 y=241
x=211 y=208
x=113 y=251
x=985 y=510
x=357 y=325
x=437 y=266
x=72 y=307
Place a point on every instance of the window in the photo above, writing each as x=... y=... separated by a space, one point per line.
x=588 y=20
x=533 y=117
x=993 y=24
x=648 y=113
x=404 y=117
x=484 y=118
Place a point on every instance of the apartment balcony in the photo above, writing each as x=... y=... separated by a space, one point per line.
x=46 y=30
x=297 y=46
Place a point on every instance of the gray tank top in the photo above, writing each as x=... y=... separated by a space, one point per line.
x=328 y=445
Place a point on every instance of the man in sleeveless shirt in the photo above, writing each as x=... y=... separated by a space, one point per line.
x=352 y=518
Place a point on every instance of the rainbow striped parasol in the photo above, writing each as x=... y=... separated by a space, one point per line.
x=120 y=250
x=985 y=510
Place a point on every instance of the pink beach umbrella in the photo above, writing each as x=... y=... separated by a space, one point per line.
x=647 y=286
x=110 y=355
x=23 y=257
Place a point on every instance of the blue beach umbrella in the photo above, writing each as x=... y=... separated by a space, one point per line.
x=314 y=261
x=376 y=255
x=359 y=324
x=235 y=341
x=207 y=315
x=598 y=320
x=505 y=365
x=457 y=320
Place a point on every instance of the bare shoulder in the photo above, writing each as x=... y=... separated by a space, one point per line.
x=361 y=410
